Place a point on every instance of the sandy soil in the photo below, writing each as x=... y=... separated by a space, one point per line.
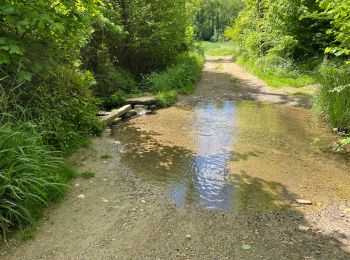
x=117 y=216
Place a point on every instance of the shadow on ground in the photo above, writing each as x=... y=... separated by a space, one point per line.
x=219 y=86
x=263 y=213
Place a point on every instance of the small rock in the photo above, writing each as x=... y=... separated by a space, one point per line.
x=335 y=130
x=152 y=107
x=143 y=201
x=188 y=237
x=81 y=196
x=148 y=112
x=304 y=202
x=304 y=228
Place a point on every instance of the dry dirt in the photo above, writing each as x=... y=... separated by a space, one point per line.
x=115 y=215
x=223 y=79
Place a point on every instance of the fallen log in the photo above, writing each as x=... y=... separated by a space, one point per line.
x=119 y=113
x=150 y=100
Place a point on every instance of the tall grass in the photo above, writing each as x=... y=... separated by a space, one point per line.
x=31 y=175
x=333 y=98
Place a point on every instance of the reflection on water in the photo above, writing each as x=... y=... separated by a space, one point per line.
x=230 y=156
x=209 y=170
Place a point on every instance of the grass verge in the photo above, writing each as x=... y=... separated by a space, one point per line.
x=276 y=77
x=31 y=174
x=216 y=48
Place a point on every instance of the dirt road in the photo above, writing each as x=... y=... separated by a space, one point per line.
x=118 y=215
x=223 y=79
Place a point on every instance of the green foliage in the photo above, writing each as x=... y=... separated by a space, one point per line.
x=30 y=176
x=56 y=57
x=284 y=42
x=333 y=98
x=279 y=28
x=211 y=17
x=337 y=11
x=275 y=74
x=113 y=84
x=167 y=98
x=154 y=33
x=63 y=122
x=181 y=75
x=216 y=48
x=345 y=141
x=53 y=29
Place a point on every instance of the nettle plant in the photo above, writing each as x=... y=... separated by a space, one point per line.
x=338 y=12
x=54 y=29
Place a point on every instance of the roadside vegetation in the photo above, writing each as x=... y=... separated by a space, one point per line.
x=293 y=44
x=62 y=61
x=288 y=44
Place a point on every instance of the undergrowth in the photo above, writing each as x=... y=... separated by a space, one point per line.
x=216 y=48
x=31 y=174
x=276 y=75
x=179 y=78
x=333 y=98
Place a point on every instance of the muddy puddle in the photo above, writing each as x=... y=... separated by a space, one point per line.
x=236 y=156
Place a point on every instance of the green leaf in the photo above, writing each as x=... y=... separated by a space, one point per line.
x=24 y=76
x=246 y=247
x=8 y=10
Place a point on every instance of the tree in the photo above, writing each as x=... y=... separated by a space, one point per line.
x=213 y=16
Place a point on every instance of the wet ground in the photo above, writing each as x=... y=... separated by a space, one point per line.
x=214 y=177
x=204 y=153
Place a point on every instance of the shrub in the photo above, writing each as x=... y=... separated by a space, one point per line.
x=63 y=108
x=181 y=75
x=333 y=98
x=31 y=175
x=113 y=84
x=167 y=98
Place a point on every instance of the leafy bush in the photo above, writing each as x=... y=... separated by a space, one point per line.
x=61 y=107
x=333 y=98
x=64 y=108
x=31 y=175
x=167 y=98
x=179 y=76
x=113 y=83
